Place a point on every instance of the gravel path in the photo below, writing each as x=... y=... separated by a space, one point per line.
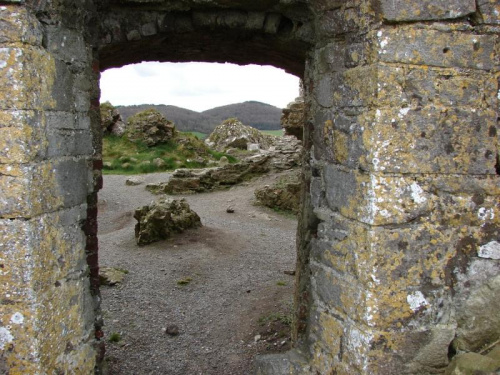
x=236 y=264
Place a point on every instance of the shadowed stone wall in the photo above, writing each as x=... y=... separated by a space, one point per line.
x=398 y=240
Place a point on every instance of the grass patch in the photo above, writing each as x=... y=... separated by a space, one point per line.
x=217 y=155
x=122 y=156
x=198 y=135
x=115 y=337
x=184 y=281
x=276 y=133
x=281 y=283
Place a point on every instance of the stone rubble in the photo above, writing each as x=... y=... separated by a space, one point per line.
x=111 y=120
x=233 y=134
x=162 y=218
x=150 y=127
x=284 y=195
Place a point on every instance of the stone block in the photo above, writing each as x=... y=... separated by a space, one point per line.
x=26 y=78
x=272 y=23
x=255 y=20
x=69 y=143
x=429 y=47
x=431 y=140
x=478 y=326
x=67 y=45
x=338 y=242
x=407 y=10
x=149 y=29
x=15 y=261
x=340 y=294
x=489 y=11
x=331 y=58
x=383 y=199
x=442 y=87
x=375 y=200
x=355 y=87
x=233 y=19
x=325 y=337
x=21 y=136
x=29 y=190
x=423 y=351
x=74 y=181
x=341 y=21
x=70 y=330
x=19 y=25
x=62 y=89
x=339 y=138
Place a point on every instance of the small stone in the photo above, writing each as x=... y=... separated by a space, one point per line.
x=223 y=161
x=291 y=273
x=133 y=181
x=111 y=276
x=172 y=330
x=256 y=338
x=230 y=210
x=159 y=163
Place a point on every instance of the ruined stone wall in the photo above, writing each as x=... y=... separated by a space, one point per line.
x=404 y=186
x=398 y=237
x=49 y=97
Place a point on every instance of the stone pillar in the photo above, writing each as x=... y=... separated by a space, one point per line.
x=404 y=184
x=47 y=128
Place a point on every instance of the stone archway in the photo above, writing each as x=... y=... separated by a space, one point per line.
x=400 y=228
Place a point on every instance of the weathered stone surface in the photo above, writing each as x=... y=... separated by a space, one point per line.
x=150 y=127
x=489 y=11
x=402 y=10
x=197 y=181
x=233 y=134
x=472 y=363
x=283 y=195
x=293 y=118
x=436 y=48
x=477 y=325
x=111 y=120
x=162 y=218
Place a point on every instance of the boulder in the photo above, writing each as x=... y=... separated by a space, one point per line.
x=150 y=127
x=111 y=120
x=233 y=134
x=284 y=195
x=473 y=364
x=293 y=118
x=162 y=218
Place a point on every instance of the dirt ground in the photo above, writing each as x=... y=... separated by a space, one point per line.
x=236 y=287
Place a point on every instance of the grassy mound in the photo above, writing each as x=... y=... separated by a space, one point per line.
x=121 y=156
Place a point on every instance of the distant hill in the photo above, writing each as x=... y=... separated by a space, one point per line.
x=259 y=115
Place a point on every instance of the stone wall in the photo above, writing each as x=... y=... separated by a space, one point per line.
x=404 y=187
x=398 y=239
x=49 y=97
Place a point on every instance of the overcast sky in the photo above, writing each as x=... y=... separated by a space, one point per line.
x=197 y=86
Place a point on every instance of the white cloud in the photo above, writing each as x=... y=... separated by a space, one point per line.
x=197 y=86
